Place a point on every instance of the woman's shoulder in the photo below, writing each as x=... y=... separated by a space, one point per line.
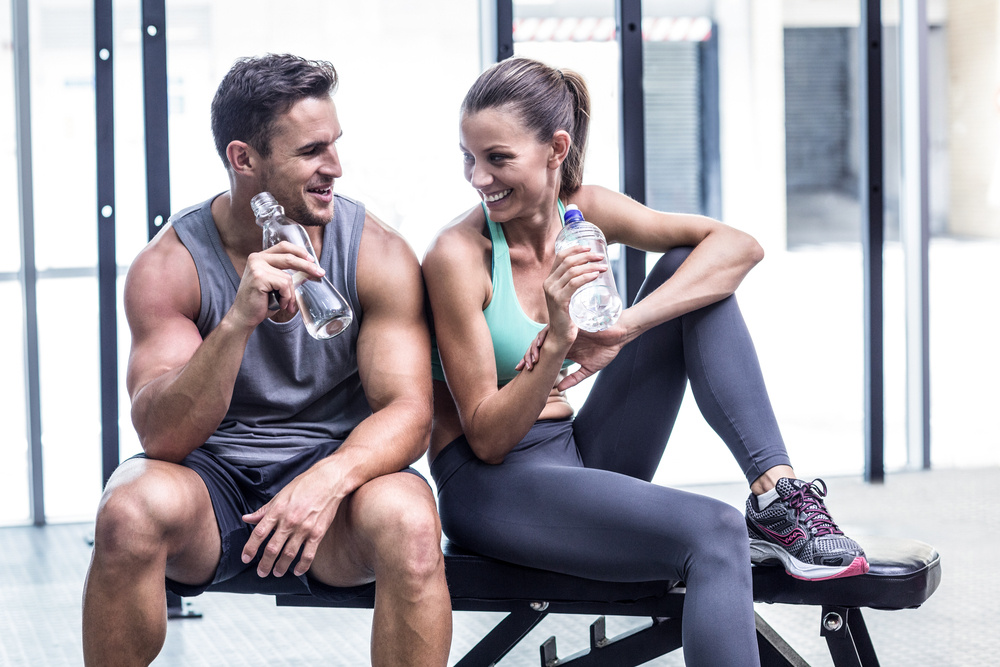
x=615 y=213
x=589 y=197
x=460 y=239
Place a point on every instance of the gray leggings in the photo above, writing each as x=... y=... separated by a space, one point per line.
x=574 y=496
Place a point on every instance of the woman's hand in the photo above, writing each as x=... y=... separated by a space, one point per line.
x=593 y=351
x=534 y=351
x=572 y=268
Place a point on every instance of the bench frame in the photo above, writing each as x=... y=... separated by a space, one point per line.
x=903 y=574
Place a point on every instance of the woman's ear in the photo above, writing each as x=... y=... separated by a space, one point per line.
x=242 y=158
x=561 y=142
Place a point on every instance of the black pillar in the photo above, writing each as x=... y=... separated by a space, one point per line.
x=107 y=261
x=628 y=16
x=154 y=85
x=873 y=236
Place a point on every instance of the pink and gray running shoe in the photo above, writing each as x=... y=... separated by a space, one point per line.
x=797 y=530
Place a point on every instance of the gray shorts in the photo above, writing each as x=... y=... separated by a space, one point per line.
x=236 y=491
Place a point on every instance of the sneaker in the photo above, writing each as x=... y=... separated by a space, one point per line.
x=797 y=530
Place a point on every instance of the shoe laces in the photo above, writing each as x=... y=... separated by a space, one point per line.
x=807 y=501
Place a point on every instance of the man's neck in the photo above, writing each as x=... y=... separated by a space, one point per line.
x=239 y=234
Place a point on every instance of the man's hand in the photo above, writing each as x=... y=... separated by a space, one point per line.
x=299 y=516
x=266 y=272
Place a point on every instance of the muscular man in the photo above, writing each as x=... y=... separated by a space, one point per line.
x=273 y=462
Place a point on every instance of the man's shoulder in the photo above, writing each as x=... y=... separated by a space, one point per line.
x=194 y=212
x=163 y=278
x=170 y=247
x=348 y=206
x=387 y=263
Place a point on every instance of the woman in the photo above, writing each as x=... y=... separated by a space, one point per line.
x=519 y=478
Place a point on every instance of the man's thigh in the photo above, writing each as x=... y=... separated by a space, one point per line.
x=380 y=521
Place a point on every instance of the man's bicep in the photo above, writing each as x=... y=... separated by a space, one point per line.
x=159 y=350
x=164 y=336
x=394 y=341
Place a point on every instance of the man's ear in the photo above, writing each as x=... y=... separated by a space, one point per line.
x=242 y=158
x=561 y=142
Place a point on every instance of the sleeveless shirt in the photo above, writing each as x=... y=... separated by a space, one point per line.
x=292 y=391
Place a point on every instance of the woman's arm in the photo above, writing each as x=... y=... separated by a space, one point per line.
x=721 y=256
x=456 y=273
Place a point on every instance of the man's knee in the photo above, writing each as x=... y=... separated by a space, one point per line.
x=422 y=539
x=408 y=533
x=140 y=507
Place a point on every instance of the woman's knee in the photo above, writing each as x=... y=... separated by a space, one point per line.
x=725 y=543
x=665 y=267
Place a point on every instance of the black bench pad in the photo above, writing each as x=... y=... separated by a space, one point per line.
x=903 y=574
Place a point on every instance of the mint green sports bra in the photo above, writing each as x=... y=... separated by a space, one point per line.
x=511 y=329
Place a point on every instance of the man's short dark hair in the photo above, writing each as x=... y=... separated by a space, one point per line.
x=257 y=90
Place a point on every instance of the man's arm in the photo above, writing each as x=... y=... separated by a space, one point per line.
x=393 y=359
x=394 y=363
x=180 y=385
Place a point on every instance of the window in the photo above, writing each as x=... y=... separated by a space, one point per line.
x=14 y=446
x=400 y=65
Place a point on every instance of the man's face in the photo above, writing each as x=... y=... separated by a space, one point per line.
x=304 y=163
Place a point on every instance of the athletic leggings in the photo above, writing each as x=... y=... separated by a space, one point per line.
x=574 y=496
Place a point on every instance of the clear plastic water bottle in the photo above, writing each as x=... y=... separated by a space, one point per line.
x=596 y=305
x=324 y=311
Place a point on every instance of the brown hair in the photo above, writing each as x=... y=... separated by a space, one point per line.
x=545 y=99
x=256 y=91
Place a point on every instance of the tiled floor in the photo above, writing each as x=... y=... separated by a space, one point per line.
x=42 y=571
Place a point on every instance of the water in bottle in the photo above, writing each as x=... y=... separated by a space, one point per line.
x=596 y=305
x=324 y=311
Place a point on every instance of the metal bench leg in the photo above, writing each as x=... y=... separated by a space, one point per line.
x=634 y=647
x=774 y=650
x=862 y=640
x=503 y=637
x=178 y=608
x=847 y=637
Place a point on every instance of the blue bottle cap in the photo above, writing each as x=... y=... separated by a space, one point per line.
x=572 y=214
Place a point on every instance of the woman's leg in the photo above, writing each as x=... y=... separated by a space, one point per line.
x=627 y=418
x=603 y=525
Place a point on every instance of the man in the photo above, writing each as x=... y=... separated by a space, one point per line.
x=272 y=461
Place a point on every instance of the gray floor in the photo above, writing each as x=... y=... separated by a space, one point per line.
x=42 y=571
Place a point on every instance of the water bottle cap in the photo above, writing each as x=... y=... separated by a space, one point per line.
x=572 y=214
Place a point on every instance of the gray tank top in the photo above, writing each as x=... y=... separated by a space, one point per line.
x=292 y=391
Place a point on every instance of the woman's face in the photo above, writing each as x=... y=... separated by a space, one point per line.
x=513 y=172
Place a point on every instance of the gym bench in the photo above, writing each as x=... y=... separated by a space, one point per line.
x=903 y=574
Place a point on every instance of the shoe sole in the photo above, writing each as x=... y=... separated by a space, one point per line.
x=762 y=552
